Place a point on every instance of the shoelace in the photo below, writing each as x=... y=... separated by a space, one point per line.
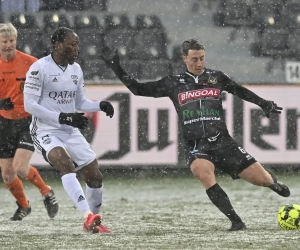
x=22 y=213
x=51 y=198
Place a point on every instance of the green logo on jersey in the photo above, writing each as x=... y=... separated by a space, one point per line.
x=203 y=112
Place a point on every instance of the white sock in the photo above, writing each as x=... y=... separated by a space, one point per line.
x=75 y=192
x=94 y=198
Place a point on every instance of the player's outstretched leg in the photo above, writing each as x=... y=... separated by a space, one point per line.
x=278 y=187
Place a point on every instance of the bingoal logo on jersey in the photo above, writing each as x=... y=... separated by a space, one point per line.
x=198 y=94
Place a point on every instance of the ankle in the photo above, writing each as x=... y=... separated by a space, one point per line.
x=86 y=214
x=237 y=221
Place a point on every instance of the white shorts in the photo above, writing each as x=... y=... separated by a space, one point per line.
x=73 y=142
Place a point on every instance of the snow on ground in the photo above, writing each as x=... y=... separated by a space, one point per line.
x=153 y=213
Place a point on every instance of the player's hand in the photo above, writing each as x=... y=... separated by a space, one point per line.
x=76 y=120
x=6 y=104
x=107 y=108
x=110 y=57
x=270 y=107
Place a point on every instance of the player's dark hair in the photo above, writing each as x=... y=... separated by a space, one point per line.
x=193 y=44
x=59 y=34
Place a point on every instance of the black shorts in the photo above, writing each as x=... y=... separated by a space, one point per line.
x=14 y=134
x=224 y=153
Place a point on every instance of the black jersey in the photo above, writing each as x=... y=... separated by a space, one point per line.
x=197 y=99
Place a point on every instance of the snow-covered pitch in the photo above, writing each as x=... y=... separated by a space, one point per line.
x=153 y=213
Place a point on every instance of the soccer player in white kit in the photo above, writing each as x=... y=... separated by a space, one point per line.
x=53 y=92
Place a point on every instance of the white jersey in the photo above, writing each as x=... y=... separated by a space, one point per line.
x=58 y=89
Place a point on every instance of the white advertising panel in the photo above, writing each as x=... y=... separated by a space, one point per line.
x=274 y=140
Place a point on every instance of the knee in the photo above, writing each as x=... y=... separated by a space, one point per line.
x=94 y=182
x=8 y=175
x=202 y=170
x=21 y=169
x=65 y=165
x=94 y=178
x=61 y=160
x=66 y=169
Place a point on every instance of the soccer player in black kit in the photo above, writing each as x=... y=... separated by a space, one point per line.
x=196 y=95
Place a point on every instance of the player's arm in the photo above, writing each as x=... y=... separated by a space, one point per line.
x=32 y=106
x=32 y=92
x=236 y=89
x=86 y=105
x=151 y=89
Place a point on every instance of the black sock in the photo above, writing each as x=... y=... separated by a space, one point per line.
x=220 y=199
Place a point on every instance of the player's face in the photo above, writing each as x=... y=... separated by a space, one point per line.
x=70 y=48
x=8 y=44
x=195 y=61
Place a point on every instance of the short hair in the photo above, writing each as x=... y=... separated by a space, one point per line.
x=59 y=34
x=8 y=29
x=193 y=44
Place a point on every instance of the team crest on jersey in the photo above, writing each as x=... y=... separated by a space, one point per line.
x=182 y=80
x=22 y=82
x=22 y=86
x=212 y=80
x=74 y=78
